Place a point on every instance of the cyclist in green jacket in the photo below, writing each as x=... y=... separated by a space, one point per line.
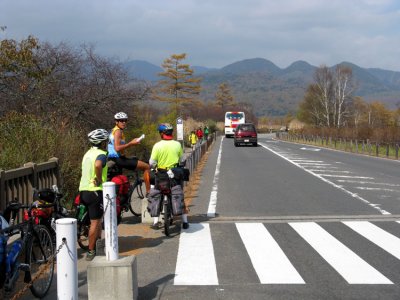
x=94 y=173
x=167 y=154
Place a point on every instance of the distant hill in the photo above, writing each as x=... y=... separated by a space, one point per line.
x=275 y=91
x=143 y=70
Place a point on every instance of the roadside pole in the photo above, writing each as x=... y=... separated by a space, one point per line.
x=179 y=132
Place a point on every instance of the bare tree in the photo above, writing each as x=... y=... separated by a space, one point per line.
x=324 y=84
x=328 y=101
x=343 y=90
x=72 y=85
x=359 y=111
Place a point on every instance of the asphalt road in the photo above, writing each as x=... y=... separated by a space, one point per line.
x=277 y=221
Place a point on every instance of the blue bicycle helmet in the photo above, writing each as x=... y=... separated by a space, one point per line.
x=165 y=128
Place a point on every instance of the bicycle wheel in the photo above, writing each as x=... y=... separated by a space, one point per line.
x=135 y=199
x=167 y=216
x=41 y=265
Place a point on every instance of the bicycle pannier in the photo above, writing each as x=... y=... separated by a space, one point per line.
x=163 y=182
x=47 y=195
x=177 y=200
x=154 y=203
x=122 y=184
x=181 y=174
x=186 y=174
x=178 y=174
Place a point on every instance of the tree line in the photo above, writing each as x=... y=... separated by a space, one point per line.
x=51 y=96
x=329 y=105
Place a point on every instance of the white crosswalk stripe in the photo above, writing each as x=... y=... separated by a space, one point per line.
x=348 y=264
x=196 y=253
x=269 y=260
x=383 y=239
x=274 y=267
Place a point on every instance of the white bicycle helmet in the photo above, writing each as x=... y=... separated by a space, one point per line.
x=120 y=116
x=97 y=136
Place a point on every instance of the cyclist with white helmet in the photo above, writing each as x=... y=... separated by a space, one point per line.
x=94 y=173
x=166 y=155
x=117 y=146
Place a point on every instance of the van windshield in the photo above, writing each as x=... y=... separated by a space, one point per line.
x=247 y=128
x=234 y=116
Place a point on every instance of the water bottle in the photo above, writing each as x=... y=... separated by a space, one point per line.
x=12 y=255
x=82 y=211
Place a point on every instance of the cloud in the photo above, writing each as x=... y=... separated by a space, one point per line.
x=216 y=33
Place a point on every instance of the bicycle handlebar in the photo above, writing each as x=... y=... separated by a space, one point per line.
x=15 y=206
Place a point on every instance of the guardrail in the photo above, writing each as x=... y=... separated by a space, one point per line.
x=194 y=157
x=367 y=147
x=19 y=183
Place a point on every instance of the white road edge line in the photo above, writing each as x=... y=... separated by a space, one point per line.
x=214 y=192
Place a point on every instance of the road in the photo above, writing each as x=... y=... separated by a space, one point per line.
x=291 y=222
x=277 y=221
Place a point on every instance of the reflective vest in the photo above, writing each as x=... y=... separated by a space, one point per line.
x=88 y=170
x=111 y=148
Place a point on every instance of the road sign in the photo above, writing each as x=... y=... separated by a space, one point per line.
x=179 y=129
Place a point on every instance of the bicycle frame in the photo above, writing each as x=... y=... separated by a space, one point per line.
x=30 y=233
x=167 y=213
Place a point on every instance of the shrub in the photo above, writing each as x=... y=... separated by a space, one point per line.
x=26 y=138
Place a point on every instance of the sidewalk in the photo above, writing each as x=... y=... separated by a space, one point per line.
x=133 y=239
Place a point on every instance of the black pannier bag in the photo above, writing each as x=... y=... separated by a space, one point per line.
x=177 y=197
x=186 y=174
x=47 y=195
x=181 y=174
x=162 y=182
x=154 y=203
x=178 y=173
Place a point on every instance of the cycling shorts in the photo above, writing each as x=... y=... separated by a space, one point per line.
x=94 y=203
x=126 y=163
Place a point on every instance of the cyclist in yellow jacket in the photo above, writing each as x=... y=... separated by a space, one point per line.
x=193 y=139
x=94 y=173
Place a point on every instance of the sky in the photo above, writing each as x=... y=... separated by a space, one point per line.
x=215 y=33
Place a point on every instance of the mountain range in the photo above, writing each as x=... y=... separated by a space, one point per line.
x=273 y=91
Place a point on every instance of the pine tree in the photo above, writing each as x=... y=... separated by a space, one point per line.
x=178 y=87
x=223 y=96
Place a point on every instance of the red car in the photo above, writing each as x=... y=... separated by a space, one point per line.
x=245 y=134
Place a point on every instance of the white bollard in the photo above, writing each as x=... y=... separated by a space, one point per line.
x=67 y=262
x=110 y=221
